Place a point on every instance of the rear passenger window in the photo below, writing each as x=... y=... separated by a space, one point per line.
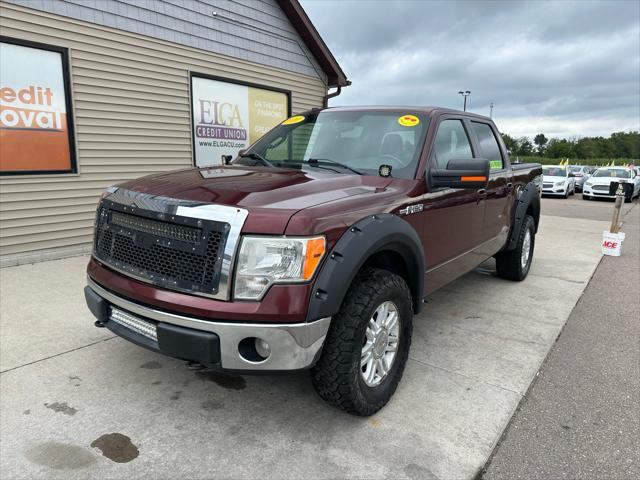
x=451 y=143
x=488 y=145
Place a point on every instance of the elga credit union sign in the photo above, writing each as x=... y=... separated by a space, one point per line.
x=228 y=117
x=35 y=128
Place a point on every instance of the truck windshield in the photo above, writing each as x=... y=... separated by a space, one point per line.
x=345 y=142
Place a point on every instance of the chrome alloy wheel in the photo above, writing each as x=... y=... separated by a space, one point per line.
x=526 y=249
x=381 y=344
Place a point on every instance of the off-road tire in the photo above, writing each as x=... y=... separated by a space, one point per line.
x=337 y=374
x=508 y=262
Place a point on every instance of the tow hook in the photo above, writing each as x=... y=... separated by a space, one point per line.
x=99 y=324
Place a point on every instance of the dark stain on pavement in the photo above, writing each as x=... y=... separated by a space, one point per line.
x=61 y=408
x=212 y=405
x=157 y=382
x=116 y=447
x=232 y=382
x=60 y=456
x=176 y=395
x=151 y=365
x=27 y=412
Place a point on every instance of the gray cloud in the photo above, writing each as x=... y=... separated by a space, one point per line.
x=564 y=68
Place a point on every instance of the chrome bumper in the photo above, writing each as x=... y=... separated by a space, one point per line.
x=293 y=346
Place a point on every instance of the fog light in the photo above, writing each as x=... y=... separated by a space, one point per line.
x=263 y=348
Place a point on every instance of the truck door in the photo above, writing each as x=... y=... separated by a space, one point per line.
x=499 y=191
x=453 y=217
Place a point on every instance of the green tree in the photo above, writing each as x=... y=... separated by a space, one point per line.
x=510 y=142
x=540 y=140
x=525 y=147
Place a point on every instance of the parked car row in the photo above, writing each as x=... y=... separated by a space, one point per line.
x=598 y=184
x=565 y=180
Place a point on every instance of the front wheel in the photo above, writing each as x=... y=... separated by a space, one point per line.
x=515 y=264
x=367 y=345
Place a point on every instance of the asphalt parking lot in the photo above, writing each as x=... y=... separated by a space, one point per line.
x=79 y=403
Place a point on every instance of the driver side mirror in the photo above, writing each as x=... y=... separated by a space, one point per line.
x=462 y=173
x=572 y=175
x=226 y=159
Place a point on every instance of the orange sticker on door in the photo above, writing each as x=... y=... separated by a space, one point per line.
x=408 y=120
x=292 y=120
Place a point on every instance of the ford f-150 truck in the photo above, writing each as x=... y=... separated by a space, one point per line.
x=314 y=248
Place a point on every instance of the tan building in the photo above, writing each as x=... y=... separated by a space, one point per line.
x=94 y=92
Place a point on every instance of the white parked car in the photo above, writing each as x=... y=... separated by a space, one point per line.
x=558 y=180
x=598 y=183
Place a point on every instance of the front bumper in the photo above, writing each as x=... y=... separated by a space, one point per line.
x=590 y=192
x=222 y=344
x=554 y=190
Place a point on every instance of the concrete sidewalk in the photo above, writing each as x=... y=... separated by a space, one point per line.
x=581 y=418
x=477 y=346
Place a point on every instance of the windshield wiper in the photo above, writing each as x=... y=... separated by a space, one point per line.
x=328 y=161
x=256 y=156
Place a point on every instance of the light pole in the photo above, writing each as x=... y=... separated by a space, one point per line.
x=491 y=110
x=465 y=94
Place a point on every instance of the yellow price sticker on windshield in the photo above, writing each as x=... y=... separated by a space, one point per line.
x=408 y=120
x=495 y=164
x=292 y=120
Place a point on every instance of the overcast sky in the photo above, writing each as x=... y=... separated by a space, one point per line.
x=562 y=68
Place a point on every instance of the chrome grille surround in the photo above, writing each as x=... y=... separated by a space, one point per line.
x=168 y=209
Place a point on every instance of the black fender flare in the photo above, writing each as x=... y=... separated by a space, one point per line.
x=529 y=196
x=364 y=238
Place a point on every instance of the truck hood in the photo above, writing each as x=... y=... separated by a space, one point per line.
x=271 y=196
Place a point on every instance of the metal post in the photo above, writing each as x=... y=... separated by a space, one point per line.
x=465 y=94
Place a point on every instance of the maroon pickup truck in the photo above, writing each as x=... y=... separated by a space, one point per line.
x=315 y=247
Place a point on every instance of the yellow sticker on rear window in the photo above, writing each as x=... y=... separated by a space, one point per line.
x=408 y=120
x=292 y=120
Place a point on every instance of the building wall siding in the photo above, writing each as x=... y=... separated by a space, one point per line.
x=132 y=116
x=252 y=30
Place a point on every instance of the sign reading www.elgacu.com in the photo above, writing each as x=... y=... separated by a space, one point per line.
x=228 y=117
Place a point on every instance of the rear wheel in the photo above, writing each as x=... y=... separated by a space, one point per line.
x=367 y=345
x=515 y=264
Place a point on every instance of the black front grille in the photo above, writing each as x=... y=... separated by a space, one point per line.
x=601 y=187
x=183 y=254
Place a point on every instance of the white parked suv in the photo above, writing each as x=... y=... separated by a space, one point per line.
x=558 y=180
x=598 y=184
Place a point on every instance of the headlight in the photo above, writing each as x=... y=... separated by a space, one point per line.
x=263 y=261
x=559 y=184
x=588 y=184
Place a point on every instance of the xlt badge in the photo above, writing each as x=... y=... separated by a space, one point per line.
x=409 y=209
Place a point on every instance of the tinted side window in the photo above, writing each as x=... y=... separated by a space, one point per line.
x=488 y=145
x=451 y=142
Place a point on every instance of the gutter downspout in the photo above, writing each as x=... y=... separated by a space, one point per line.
x=325 y=99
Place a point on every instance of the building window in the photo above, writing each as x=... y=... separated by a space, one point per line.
x=229 y=116
x=36 y=122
